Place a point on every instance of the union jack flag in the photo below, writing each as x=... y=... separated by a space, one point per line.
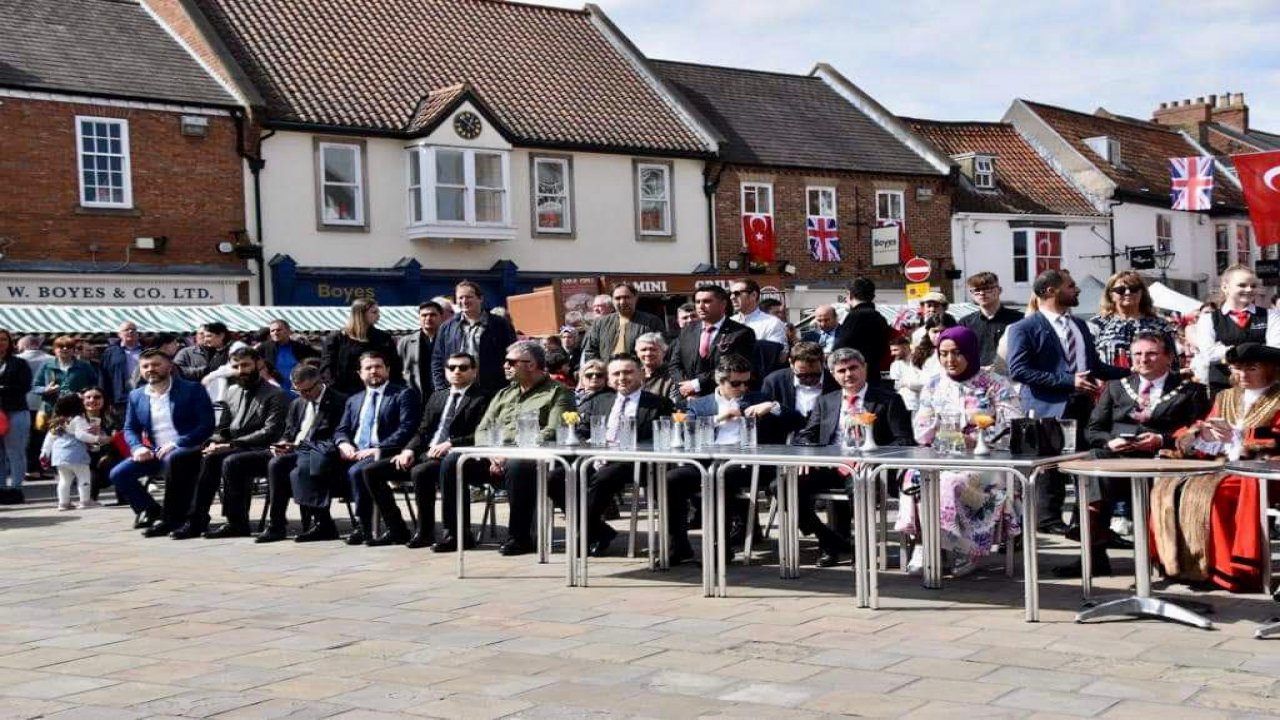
x=824 y=243
x=1192 y=183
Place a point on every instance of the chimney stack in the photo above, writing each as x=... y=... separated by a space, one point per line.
x=1184 y=113
x=1233 y=113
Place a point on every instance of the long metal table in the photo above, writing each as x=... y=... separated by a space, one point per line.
x=1263 y=472
x=1140 y=473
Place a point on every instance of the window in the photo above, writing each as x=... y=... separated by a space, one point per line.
x=1046 y=251
x=102 y=147
x=822 y=201
x=889 y=206
x=1244 y=245
x=341 y=184
x=1107 y=148
x=1222 y=247
x=653 y=198
x=551 y=182
x=1164 y=232
x=451 y=186
x=757 y=198
x=984 y=172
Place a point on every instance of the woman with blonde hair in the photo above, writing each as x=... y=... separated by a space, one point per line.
x=1238 y=320
x=340 y=354
x=1125 y=311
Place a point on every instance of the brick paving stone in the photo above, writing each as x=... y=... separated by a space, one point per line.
x=865 y=660
x=281 y=709
x=864 y=704
x=312 y=687
x=686 y=683
x=953 y=690
x=768 y=694
x=1056 y=702
x=1138 y=710
x=93 y=712
x=943 y=710
x=1237 y=701
x=125 y=694
x=466 y=707
x=947 y=669
x=54 y=687
x=771 y=670
x=1039 y=679
x=1132 y=689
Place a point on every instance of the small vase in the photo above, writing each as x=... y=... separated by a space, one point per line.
x=980 y=447
x=571 y=440
x=677 y=435
x=868 y=440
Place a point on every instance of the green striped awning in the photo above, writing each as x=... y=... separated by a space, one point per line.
x=45 y=319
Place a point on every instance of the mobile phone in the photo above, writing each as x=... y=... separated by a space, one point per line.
x=1128 y=437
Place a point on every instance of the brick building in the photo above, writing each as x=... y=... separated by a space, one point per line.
x=119 y=156
x=800 y=146
x=1218 y=122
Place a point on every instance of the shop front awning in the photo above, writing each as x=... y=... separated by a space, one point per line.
x=77 y=319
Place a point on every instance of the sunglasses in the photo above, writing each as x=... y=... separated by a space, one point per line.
x=736 y=293
x=808 y=376
x=513 y=361
x=1127 y=290
x=592 y=376
x=458 y=368
x=738 y=383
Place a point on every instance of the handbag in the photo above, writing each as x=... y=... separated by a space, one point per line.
x=1042 y=437
x=4 y=423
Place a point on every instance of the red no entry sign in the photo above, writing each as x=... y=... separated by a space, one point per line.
x=916 y=269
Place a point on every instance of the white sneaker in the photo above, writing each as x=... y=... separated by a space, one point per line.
x=88 y=504
x=1122 y=526
x=915 y=566
x=63 y=507
x=962 y=567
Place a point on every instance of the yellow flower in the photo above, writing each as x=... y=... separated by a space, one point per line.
x=570 y=417
x=983 y=421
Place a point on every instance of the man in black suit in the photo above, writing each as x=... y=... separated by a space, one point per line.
x=449 y=420
x=992 y=318
x=864 y=329
x=702 y=343
x=626 y=398
x=798 y=386
x=251 y=418
x=617 y=332
x=376 y=421
x=825 y=328
x=304 y=455
x=892 y=427
x=283 y=353
x=415 y=349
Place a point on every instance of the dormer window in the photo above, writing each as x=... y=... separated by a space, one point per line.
x=1107 y=148
x=984 y=172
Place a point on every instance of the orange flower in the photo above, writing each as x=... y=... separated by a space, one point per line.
x=865 y=418
x=678 y=417
x=983 y=421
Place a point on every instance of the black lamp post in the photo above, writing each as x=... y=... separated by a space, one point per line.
x=1164 y=260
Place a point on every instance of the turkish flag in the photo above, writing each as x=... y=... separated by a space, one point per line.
x=905 y=252
x=1260 y=178
x=757 y=235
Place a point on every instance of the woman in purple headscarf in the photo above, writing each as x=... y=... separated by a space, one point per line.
x=976 y=513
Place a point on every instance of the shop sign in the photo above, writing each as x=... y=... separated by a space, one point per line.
x=99 y=290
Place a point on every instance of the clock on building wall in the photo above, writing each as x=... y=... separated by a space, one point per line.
x=467 y=125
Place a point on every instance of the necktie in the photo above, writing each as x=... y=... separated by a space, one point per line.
x=1069 y=343
x=1144 y=395
x=615 y=419
x=442 y=432
x=308 y=424
x=368 y=418
x=704 y=346
x=1241 y=317
x=620 y=345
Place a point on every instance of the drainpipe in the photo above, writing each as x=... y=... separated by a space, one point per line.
x=709 y=186
x=255 y=163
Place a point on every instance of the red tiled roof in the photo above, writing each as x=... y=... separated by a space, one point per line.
x=1145 y=149
x=550 y=76
x=1025 y=182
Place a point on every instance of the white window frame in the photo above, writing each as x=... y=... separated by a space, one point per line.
x=566 y=197
x=819 y=190
x=1244 y=241
x=416 y=191
x=901 y=203
x=1222 y=247
x=126 y=165
x=984 y=172
x=359 y=184
x=427 y=171
x=668 y=221
x=752 y=189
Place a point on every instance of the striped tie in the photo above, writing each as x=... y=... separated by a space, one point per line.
x=1070 y=343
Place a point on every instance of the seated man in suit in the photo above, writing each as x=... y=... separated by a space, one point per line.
x=167 y=422
x=825 y=327
x=1136 y=417
x=798 y=386
x=703 y=342
x=377 y=421
x=728 y=404
x=306 y=450
x=531 y=389
x=892 y=427
x=449 y=420
x=625 y=398
x=252 y=418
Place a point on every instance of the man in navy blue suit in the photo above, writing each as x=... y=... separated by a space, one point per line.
x=1054 y=357
x=377 y=422
x=167 y=422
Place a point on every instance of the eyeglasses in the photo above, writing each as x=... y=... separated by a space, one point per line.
x=1127 y=289
x=592 y=376
x=457 y=368
x=513 y=361
x=738 y=383
x=983 y=290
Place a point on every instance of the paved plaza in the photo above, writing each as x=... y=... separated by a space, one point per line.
x=100 y=623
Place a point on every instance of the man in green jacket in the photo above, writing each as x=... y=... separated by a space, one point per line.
x=531 y=389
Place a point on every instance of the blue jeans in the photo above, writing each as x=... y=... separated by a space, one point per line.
x=15 y=446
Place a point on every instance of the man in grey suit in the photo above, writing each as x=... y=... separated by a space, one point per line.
x=617 y=332
x=415 y=349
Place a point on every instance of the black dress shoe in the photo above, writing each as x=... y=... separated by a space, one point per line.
x=317 y=533
x=418 y=541
x=356 y=537
x=270 y=535
x=147 y=518
x=388 y=538
x=1052 y=527
x=450 y=544
x=600 y=546
x=827 y=558
x=679 y=553
x=1100 y=562
x=515 y=546
x=186 y=531
x=229 y=530
x=160 y=529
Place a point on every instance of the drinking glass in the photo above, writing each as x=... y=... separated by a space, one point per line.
x=662 y=431
x=1068 y=435
x=563 y=431
x=599 y=430
x=749 y=432
x=491 y=434
x=706 y=429
x=950 y=438
x=692 y=440
x=528 y=429
x=627 y=433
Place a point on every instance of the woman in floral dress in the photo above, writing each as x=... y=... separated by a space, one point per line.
x=975 y=514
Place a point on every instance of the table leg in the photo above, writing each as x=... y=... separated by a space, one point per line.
x=882 y=488
x=583 y=520
x=461 y=530
x=1030 y=547
x=1264 y=501
x=541 y=493
x=930 y=529
x=571 y=529
x=1086 y=537
x=722 y=549
x=650 y=509
x=784 y=542
x=663 y=499
x=860 y=554
x=708 y=535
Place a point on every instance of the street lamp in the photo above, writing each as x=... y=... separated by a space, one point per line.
x=1164 y=260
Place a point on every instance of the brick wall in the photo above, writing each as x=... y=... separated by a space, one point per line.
x=928 y=221
x=189 y=189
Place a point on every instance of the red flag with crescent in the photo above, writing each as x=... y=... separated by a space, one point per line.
x=1260 y=179
x=757 y=235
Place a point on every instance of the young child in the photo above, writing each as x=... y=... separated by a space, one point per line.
x=66 y=447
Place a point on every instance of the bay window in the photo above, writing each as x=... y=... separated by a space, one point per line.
x=459 y=187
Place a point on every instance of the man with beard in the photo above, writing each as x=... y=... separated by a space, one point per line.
x=208 y=354
x=252 y=418
x=415 y=349
x=618 y=331
x=702 y=343
x=167 y=422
